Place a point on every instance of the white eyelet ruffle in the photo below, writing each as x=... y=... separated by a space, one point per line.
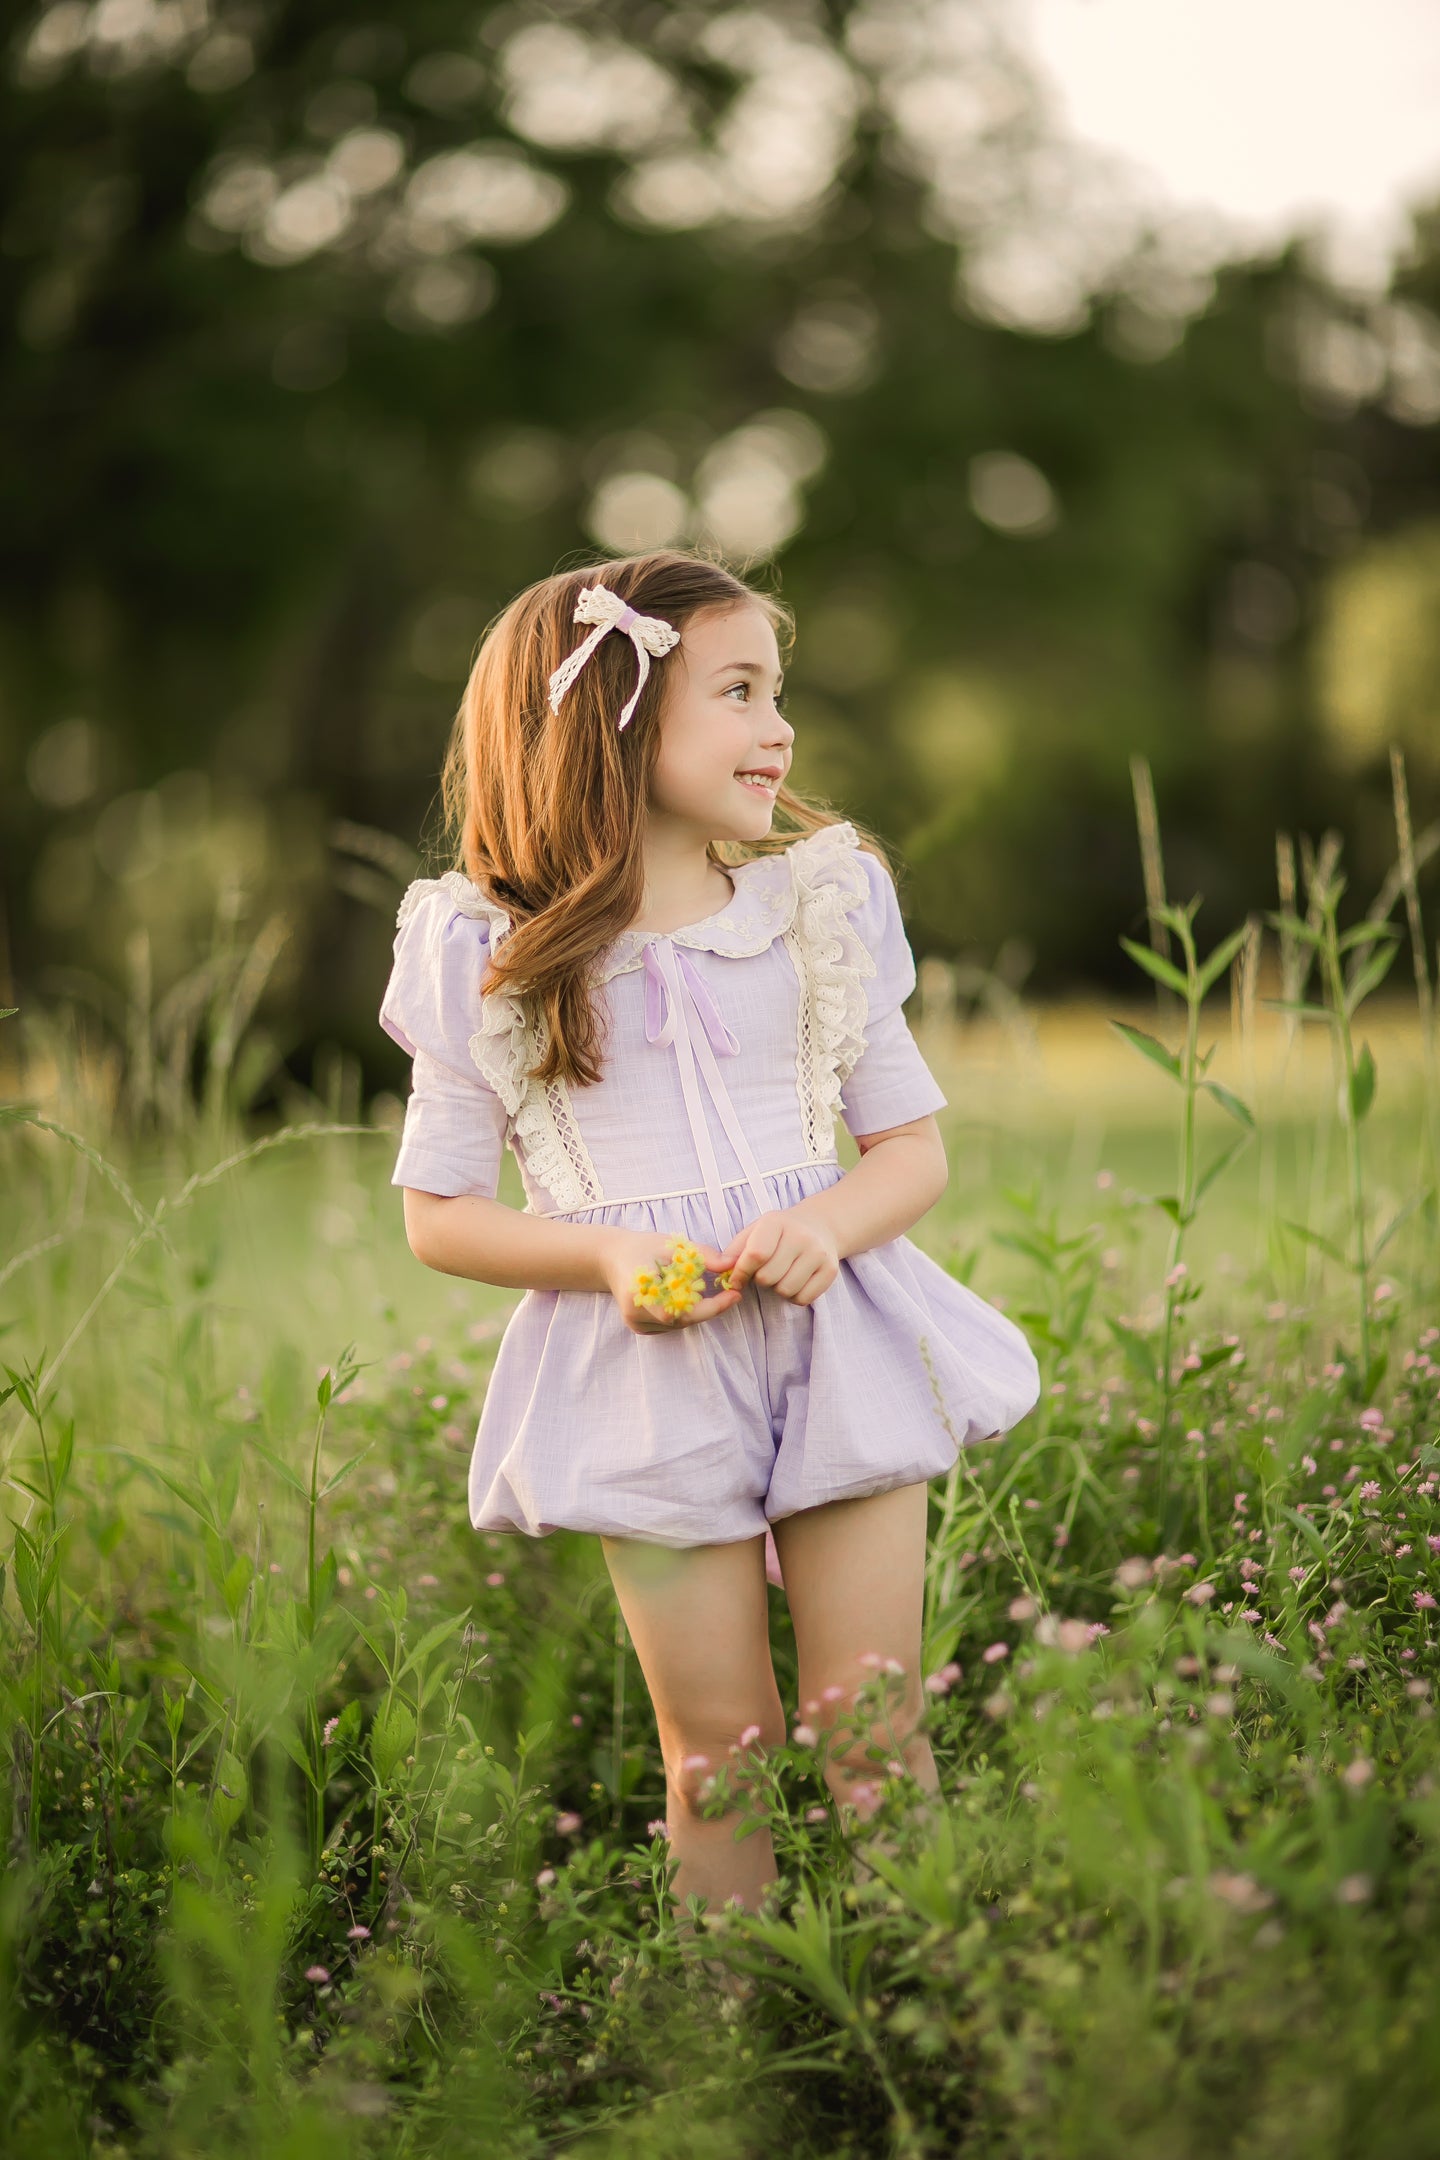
x=831 y=962
x=506 y=1047
x=761 y=911
x=804 y=894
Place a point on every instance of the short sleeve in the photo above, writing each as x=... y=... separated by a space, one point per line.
x=454 y=1122
x=890 y=1083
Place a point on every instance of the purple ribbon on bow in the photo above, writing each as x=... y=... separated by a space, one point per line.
x=674 y=990
x=658 y=1001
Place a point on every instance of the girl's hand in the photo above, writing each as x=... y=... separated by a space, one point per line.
x=627 y=1252
x=786 y=1252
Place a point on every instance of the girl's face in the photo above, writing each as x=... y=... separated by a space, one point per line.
x=721 y=719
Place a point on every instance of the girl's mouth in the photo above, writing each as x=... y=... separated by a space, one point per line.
x=756 y=785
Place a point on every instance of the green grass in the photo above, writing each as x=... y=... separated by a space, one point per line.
x=327 y=1819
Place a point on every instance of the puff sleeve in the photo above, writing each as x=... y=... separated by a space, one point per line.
x=890 y=1082
x=455 y=1123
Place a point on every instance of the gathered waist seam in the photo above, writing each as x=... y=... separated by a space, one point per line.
x=685 y=1192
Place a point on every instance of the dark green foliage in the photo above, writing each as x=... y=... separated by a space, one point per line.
x=256 y=509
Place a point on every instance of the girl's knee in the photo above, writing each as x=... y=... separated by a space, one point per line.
x=835 y=1709
x=695 y=1759
x=861 y=1753
x=855 y=1766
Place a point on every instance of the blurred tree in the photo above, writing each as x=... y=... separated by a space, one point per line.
x=332 y=327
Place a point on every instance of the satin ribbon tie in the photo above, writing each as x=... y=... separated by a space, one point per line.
x=681 y=1013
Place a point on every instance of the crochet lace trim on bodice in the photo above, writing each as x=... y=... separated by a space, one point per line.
x=804 y=894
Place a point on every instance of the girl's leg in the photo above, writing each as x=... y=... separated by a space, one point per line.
x=700 y=1625
x=855 y=1579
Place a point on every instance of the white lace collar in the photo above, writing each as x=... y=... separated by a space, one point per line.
x=806 y=892
x=762 y=908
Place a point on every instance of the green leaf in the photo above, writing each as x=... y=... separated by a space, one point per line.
x=347 y=1726
x=1395 y=1221
x=391 y=1737
x=281 y=1468
x=64 y=1451
x=344 y=1471
x=299 y=1754
x=1222 y=1162
x=1170 y=1206
x=1138 y=1354
x=1366 y=933
x=1376 y=968
x=378 y=1650
x=235 y=1583
x=1221 y=958
x=1362 y=1084
x=1306 y=1012
x=1271 y=1671
x=1149 y=1048
x=32 y=1577
x=1163 y=971
x=944 y=1629
x=1239 y=1110
x=805 y=1943
x=1292 y=926
x=1313 y=1237
x=1178 y=919
x=182 y=1492
x=1033 y=1247
x=429 y=1641
x=1209 y=1359
x=1307 y=1530
x=132 y=1727
x=326 y=1577
x=230 y=1792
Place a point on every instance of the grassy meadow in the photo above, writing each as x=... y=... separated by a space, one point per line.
x=331 y=1825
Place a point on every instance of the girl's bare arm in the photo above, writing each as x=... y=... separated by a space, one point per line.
x=489 y=1242
x=900 y=1175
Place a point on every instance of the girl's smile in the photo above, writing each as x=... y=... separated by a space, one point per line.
x=723 y=736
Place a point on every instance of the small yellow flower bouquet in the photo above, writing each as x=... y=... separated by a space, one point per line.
x=678 y=1284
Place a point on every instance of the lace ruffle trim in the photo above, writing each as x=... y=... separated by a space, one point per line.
x=506 y=1047
x=825 y=882
x=762 y=910
x=829 y=884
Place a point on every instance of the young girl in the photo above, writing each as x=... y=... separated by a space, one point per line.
x=660 y=1003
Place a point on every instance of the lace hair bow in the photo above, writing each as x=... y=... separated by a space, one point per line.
x=647 y=633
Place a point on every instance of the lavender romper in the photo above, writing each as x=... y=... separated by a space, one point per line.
x=730 y=1042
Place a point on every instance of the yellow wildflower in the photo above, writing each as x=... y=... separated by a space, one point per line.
x=678 y=1284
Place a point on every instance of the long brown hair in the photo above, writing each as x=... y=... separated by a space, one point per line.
x=546 y=812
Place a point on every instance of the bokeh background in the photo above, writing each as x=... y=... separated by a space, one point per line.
x=329 y=326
